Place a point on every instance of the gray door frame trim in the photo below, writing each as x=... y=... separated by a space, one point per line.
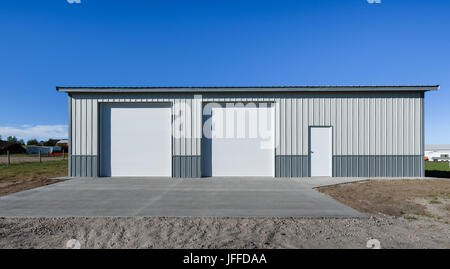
x=99 y=130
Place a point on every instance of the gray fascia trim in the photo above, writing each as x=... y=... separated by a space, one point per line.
x=420 y=88
x=69 y=154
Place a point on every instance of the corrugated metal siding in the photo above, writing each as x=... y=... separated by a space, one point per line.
x=364 y=124
x=377 y=166
x=291 y=166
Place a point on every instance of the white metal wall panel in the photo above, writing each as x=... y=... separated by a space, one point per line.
x=389 y=126
x=83 y=134
x=78 y=122
x=365 y=124
x=89 y=127
x=304 y=127
x=94 y=132
x=73 y=122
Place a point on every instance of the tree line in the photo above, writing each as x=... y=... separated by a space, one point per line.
x=31 y=142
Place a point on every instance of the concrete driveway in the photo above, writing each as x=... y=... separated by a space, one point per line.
x=239 y=197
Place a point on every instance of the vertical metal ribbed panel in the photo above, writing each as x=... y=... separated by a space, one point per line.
x=364 y=124
x=377 y=166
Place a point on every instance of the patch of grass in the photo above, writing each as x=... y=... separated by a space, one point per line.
x=437 y=166
x=435 y=202
x=22 y=176
x=32 y=169
x=426 y=214
x=407 y=217
x=445 y=195
x=437 y=169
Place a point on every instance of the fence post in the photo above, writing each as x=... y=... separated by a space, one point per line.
x=9 y=157
x=40 y=158
x=63 y=154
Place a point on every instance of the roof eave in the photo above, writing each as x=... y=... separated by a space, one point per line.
x=421 y=88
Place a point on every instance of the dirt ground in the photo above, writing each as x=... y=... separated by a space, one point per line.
x=16 y=185
x=154 y=232
x=407 y=198
x=25 y=176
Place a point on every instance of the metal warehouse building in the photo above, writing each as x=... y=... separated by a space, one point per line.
x=339 y=131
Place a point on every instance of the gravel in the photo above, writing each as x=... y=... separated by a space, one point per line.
x=171 y=232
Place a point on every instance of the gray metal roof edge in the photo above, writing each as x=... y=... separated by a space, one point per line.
x=421 y=88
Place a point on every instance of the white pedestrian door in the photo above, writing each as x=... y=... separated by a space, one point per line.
x=320 y=150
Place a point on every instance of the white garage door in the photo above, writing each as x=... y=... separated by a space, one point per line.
x=242 y=142
x=135 y=140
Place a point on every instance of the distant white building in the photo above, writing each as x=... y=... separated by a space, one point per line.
x=437 y=152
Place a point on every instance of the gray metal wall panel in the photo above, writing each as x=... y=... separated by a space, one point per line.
x=71 y=166
x=377 y=166
x=78 y=166
x=93 y=163
x=291 y=166
x=182 y=165
x=186 y=166
x=83 y=166
x=89 y=167
x=176 y=167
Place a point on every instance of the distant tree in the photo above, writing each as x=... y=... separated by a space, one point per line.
x=32 y=142
x=21 y=142
x=12 y=139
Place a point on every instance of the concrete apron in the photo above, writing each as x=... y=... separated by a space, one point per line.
x=175 y=197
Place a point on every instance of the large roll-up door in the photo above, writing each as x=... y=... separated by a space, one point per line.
x=242 y=141
x=135 y=140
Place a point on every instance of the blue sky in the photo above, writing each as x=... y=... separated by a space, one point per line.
x=231 y=43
